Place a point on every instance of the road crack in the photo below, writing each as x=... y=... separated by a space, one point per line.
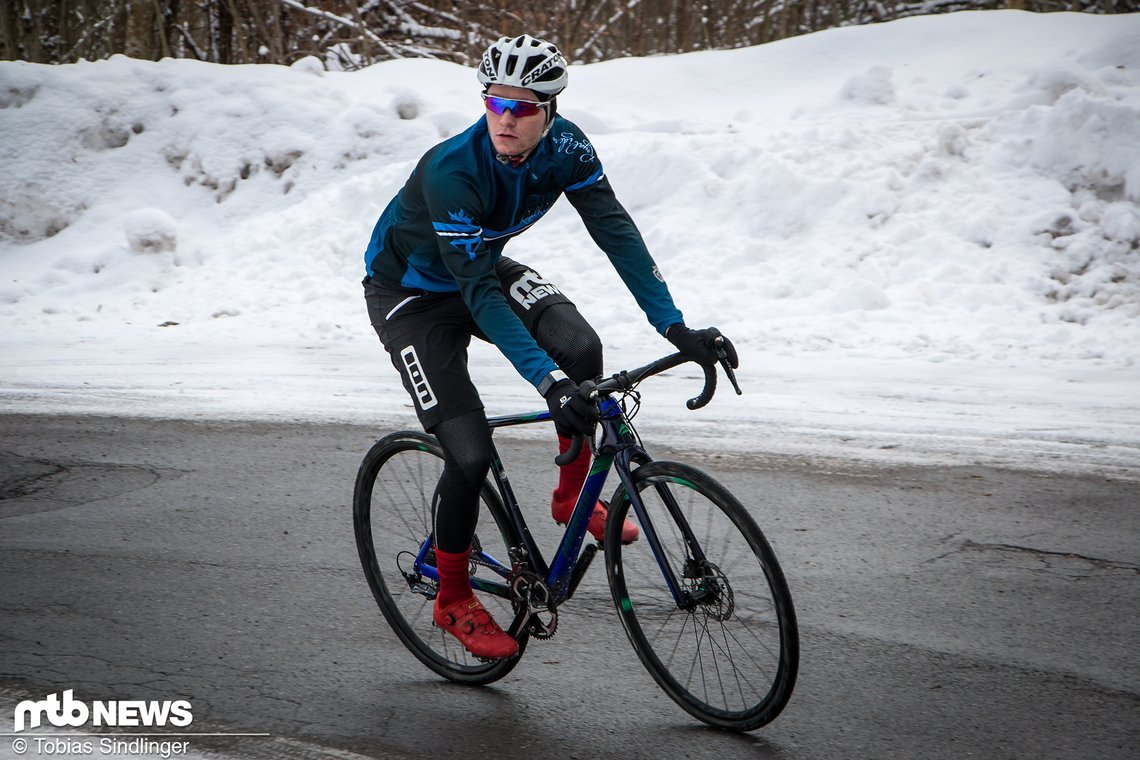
x=1071 y=564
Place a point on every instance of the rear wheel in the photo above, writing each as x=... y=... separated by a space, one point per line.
x=728 y=650
x=393 y=520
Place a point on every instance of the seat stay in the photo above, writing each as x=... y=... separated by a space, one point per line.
x=533 y=554
x=501 y=566
x=428 y=570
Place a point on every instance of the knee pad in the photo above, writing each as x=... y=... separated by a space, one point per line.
x=466 y=442
x=571 y=342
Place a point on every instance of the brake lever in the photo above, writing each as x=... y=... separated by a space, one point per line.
x=722 y=354
x=589 y=390
x=571 y=453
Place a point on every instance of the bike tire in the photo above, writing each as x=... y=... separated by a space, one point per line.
x=731 y=660
x=392 y=517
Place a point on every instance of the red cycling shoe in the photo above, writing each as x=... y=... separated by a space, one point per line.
x=561 y=511
x=468 y=621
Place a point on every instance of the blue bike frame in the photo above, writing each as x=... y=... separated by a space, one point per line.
x=570 y=561
x=618 y=448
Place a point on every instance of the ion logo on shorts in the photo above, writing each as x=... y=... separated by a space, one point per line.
x=425 y=396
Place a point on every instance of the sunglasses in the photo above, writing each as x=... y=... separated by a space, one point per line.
x=520 y=108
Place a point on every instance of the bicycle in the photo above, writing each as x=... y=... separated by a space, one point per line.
x=701 y=595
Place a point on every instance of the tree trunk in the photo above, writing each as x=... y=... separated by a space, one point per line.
x=225 y=33
x=140 y=29
x=10 y=31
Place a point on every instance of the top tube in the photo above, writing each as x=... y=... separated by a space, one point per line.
x=621 y=381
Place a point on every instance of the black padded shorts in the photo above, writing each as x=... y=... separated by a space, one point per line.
x=427 y=335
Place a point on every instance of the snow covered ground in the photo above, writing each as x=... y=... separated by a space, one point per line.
x=923 y=236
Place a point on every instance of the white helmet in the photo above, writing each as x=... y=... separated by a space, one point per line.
x=524 y=62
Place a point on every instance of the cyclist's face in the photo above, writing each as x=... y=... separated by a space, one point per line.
x=511 y=135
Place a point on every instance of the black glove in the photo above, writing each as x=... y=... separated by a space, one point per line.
x=570 y=411
x=698 y=344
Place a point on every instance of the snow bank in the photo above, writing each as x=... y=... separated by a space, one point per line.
x=935 y=198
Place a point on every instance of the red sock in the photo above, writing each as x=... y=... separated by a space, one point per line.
x=454 y=580
x=572 y=476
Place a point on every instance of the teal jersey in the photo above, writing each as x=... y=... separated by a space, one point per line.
x=446 y=228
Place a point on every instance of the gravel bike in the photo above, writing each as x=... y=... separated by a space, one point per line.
x=701 y=595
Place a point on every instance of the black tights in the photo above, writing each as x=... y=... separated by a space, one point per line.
x=466 y=439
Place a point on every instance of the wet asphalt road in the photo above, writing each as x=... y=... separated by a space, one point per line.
x=944 y=612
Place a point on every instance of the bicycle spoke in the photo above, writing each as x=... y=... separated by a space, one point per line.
x=413 y=496
x=726 y=655
x=392 y=516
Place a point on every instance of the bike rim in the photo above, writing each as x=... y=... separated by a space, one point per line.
x=399 y=521
x=729 y=659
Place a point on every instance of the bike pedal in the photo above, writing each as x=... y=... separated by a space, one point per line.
x=424 y=589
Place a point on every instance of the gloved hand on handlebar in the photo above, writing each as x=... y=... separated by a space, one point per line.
x=698 y=344
x=570 y=411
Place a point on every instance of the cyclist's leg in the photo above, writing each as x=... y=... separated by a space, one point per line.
x=426 y=336
x=561 y=330
x=563 y=333
x=553 y=320
x=466 y=443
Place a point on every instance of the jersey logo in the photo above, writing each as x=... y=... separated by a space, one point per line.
x=531 y=288
x=461 y=232
x=421 y=388
x=568 y=144
x=469 y=246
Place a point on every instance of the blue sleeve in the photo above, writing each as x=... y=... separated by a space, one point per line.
x=614 y=232
x=455 y=209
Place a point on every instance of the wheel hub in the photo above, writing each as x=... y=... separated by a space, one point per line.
x=710 y=590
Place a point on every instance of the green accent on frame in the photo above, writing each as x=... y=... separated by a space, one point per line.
x=601 y=464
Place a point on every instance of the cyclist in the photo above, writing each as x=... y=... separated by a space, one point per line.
x=436 y=276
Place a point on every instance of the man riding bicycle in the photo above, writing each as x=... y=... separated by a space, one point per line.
x=436 y=276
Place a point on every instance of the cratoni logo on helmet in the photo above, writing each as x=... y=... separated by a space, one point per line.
x=547 y=65
x=488 y=66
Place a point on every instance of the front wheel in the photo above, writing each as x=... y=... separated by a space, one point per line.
x=703 y=599
x=392 y=516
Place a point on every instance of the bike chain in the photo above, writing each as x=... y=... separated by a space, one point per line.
x=527 y=590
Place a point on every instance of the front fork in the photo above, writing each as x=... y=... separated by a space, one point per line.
x=696 y=566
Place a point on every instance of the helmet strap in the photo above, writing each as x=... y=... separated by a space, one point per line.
x=551 y=112
x=512 y=160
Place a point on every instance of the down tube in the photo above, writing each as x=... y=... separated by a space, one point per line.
x=571 y=545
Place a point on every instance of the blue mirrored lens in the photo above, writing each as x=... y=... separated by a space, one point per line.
x=520 y=108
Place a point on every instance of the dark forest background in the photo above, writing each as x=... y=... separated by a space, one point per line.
x=347 y=34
